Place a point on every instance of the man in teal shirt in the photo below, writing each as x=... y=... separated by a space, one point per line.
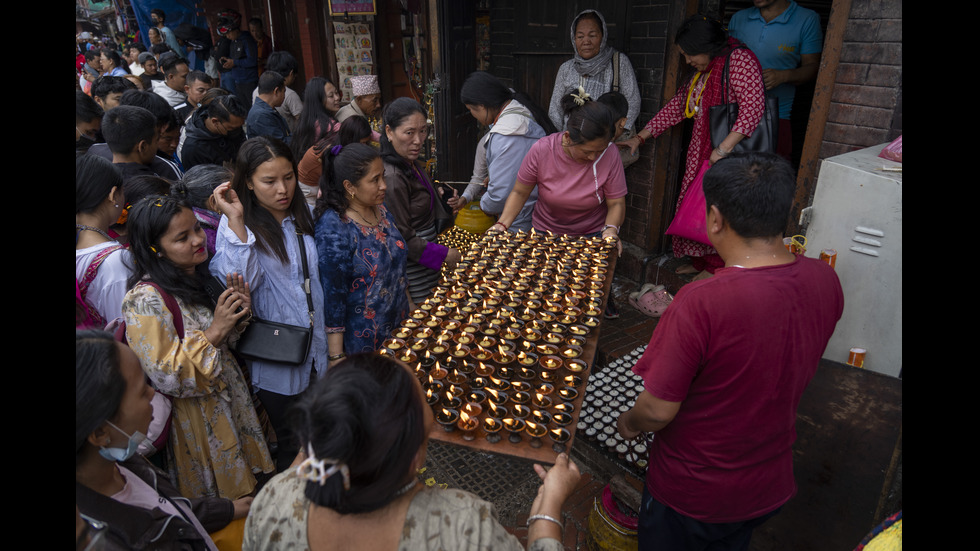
x=786 y=38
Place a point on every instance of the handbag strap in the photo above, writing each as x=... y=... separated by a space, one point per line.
x=615 y=81
x=306 y=274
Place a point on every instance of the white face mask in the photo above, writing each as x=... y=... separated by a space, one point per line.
x=136 y=440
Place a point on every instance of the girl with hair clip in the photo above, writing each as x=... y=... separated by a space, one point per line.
x=577 y=173
x=362 y=255
x=364 y=430
x=411 y=197
x=266 y=234
x=309 y=168
x=515 y=123
x=130 y=502
x=181 y=337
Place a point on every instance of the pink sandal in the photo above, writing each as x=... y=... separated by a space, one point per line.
x=652 y=302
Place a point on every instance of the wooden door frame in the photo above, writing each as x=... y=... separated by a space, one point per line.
x=806 y=179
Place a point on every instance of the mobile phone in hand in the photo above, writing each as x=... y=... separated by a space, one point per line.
x=215 y=287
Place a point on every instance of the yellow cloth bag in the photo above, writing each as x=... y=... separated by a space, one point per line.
x=231 y=537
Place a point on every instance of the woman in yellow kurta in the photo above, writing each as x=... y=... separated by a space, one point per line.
x=216 y=443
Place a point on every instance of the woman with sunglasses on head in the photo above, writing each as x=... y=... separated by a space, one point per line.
x=216 y=445
x=132 y=504
x=266 y=234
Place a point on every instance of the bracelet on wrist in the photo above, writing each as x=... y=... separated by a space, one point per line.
x=533 y=518
x=721 y=152
x=642 y=139
x=337 y=357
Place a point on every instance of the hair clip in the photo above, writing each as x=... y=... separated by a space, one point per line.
x=316 y=470
x=581 y=97
x=335 y=150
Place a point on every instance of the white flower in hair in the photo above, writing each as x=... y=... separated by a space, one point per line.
x=581 y=97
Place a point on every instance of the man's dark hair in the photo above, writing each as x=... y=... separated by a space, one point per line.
x=199 y=76
x=105 y=85
x=86 y=109
x=281 y=62
x=269 y=81
x=151 y=101
x=92 y=54
x=138 y=45
x=159 y=13
x=126 y=126
x=159 y=49
x=169 y=64
x=617 y=102
x=753 y=191
x=225 y=107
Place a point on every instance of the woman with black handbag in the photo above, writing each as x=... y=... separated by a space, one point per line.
x=712 y=53
x=216 y=445
x=266 y=234
x=417 y=207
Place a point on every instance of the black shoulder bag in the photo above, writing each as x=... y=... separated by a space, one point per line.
x=272 y=341
x=722 y=119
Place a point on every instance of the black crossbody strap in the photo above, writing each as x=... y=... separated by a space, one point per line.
x=306 y=274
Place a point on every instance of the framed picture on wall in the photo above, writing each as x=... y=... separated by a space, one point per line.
x=352 y=7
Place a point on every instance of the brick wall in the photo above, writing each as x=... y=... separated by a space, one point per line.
x=647 y=47
x=866 y=103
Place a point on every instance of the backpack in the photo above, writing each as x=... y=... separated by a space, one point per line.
x=87 y=317
x=162 y=403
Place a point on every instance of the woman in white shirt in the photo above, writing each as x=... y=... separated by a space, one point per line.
x=102 y=265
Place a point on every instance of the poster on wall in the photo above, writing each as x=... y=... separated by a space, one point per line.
x=354 y=51
x=352 y=7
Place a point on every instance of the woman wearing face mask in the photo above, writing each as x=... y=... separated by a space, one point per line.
x=593 y=68
x=216 y=445
x=265 y=233
x=362 y=255
x=411 y=197
x=114 y=486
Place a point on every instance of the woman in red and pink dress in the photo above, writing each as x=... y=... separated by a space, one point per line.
x=705 y=46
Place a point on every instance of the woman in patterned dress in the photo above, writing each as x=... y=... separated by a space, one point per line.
x=364 y=429
x=705 y=46
x=361 y=253
x=216 y=444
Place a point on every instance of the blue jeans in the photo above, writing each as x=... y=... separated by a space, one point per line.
x=662 y=528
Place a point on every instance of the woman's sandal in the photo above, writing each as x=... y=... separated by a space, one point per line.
x=652 y=301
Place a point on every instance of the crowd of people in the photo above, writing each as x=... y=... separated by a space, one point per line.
x=211 y=206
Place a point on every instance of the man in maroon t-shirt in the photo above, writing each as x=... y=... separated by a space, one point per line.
x=726 y=367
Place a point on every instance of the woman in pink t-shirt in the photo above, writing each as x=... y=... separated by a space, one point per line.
x=579 y=177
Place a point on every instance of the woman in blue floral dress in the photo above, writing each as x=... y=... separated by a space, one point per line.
x=361 y=253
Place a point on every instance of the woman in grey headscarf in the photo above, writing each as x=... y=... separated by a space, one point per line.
x=593 y=69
